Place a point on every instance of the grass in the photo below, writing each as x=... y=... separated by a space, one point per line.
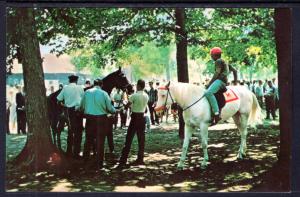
x=162 y=152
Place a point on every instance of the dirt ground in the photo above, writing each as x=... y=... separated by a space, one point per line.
x=163 y=147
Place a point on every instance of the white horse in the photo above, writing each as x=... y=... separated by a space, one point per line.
x=197 y=113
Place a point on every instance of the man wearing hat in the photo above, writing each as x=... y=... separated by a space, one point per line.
x=71 y=95
x=218 y=81
x=87 y=85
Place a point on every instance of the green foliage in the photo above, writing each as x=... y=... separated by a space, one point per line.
x=101 y=35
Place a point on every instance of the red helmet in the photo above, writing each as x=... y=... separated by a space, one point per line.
x=215 y=50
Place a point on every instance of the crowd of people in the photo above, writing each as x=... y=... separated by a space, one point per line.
x=267 y=95
x=103 y=113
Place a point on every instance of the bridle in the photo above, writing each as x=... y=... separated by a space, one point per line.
x=168 y=93
x=173 y=102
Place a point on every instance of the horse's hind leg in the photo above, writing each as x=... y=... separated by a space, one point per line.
x=241 y=121
x=185 y=146
x=204 y=143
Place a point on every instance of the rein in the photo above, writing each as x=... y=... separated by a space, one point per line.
x=173 y=102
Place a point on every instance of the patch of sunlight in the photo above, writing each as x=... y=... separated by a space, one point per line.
x=40 y=173
x=238 y=176
x=262 y=171
x=156 y=157
x=271 y=147
x=185 y=186
x=12 y=190
x=153 y=167
x=62 y=186
x=23 y=176
x=237 y=188
x=232 y=157
x=24 y=184
x=50 y=175
x=139 y=189
x=222 y=127
x=260 y=156
x=132 y=182
x=220 y=145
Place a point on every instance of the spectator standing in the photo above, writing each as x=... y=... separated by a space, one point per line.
x=275 y=84
x=138 y=102
x=270 y=100
x=152 y=93
x=118 y=104
x=124 y=110
x=96 y=105
x=71 y=95
x=20 y=109
x=259 y=92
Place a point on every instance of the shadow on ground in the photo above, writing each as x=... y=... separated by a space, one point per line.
x=224 y=173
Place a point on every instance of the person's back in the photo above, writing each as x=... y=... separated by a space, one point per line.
x=71 y=94
x=96 y=102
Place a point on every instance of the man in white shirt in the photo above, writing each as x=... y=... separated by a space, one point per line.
x=138 y=102
x=71 y=96
x=118 y=104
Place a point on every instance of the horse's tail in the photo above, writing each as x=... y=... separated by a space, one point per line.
x=255 y=114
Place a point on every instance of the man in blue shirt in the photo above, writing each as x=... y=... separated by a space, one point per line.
x=96 y=104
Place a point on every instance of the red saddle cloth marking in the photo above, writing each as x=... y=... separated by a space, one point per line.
x=230 y=96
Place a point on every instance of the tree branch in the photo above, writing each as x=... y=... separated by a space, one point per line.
x=131 y=32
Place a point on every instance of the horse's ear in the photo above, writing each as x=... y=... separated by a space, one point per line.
x=168 y=84
x=119 y=68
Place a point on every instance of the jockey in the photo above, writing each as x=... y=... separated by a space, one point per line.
x=218 y=81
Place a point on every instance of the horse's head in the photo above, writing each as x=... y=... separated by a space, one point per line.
x=119 y=80
x=164 y=100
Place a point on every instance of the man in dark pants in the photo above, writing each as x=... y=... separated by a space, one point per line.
x=20 y=109
x=270 y=100
x=152 y=93
x=138 y=102
x=72 y=94
x=96 y=104
x=109 y=135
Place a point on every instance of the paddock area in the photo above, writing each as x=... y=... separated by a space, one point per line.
x=162 y=152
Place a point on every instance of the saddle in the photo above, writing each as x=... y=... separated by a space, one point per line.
x=221 y=98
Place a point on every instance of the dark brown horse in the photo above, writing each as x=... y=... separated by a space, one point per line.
x=116 y=79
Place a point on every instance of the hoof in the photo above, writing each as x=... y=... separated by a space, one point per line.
x=203 y=165
x=180 y=167
x=241 y=156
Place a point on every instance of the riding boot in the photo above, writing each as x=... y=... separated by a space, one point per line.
x=215 y=119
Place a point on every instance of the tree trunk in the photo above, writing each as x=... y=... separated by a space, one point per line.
x=39 y=151
x=181 y=57
x=278 y=178
x=283 y=38
x=181 y=46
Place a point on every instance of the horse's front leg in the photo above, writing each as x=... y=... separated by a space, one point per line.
x=204 y=143
x=185 y=146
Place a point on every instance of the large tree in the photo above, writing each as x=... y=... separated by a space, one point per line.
x=39 y=152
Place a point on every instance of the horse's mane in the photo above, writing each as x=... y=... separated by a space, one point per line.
x=183 y=85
